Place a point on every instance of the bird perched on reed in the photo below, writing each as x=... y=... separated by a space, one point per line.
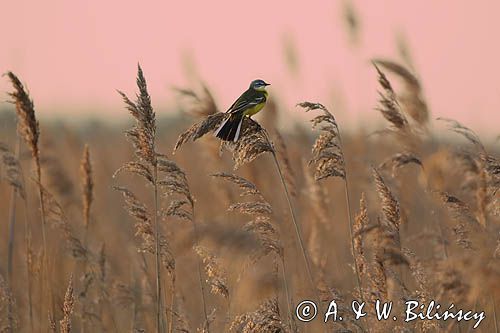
x=248 y=104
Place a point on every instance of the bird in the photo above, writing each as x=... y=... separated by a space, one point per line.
x=248 y=104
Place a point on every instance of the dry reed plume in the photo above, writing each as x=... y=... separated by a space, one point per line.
x=69 y=301
x=28 y=128
x=142 y=137
x=87 y=186
x=254 y=141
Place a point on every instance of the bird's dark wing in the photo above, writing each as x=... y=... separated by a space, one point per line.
x=247 y=100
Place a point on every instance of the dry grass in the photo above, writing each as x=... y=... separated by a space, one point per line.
x=216 y=243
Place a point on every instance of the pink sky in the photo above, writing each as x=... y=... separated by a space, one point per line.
x=74 y=54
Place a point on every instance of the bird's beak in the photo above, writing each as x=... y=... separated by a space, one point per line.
x=268 y=84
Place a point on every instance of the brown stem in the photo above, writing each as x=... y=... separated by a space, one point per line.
x=287 y=294
x=172 y=304
x=27 y=234
x=45 y=261
x=12 y=225
x=200 y=279
x=295 y=223
x=159 y=317
x=10 y=245
x=350 y=221
x=495 y=315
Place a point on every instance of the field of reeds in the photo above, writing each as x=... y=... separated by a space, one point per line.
x=159 y=227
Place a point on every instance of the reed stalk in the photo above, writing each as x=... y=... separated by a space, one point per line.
x=29 y=129
x=200 y=278
x=12 y=220
x=298 y=232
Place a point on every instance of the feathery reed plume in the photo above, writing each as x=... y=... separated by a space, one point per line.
x=457 y=284
x=12 y=169
x=8 y=322
x=492 y=169
x=458 y=209
x=399 y=160
x=260 y=225
x=361 y=222
x=419 y=274
x=52 y=324
x=412 y=99
x=389 y=105
x=390 y=206
x=388 y=248
x=29 y=129
x=487 y=193
x=69 y=301
x=466 y=132
x=87 y=186
x=328 y=159
x=257 y=207
x=143 y=136
x=253 y=141
x=466 y=221
x=265 y=319
x=175 y=183
x=404 y=50
x=377 y=275
x=215 y=273
x=327 y=154
x=267 y=235
x=247 y=188
x=329 y=293
x=424 y=284
x=196 y=131
x=144 y=228
x=202 y=105
x=485 y=166
x=260 y=210
x=351 y=20
x=58 y=219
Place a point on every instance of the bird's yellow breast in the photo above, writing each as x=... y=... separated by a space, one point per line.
x=253 y=110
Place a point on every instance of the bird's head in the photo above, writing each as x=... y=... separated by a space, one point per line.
x=259 y=85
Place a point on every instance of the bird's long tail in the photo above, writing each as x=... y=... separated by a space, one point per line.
x=230 y=129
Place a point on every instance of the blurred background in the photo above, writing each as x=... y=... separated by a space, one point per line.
x=73 y=56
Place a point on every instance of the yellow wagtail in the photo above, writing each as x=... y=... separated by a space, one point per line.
x=248 y=104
